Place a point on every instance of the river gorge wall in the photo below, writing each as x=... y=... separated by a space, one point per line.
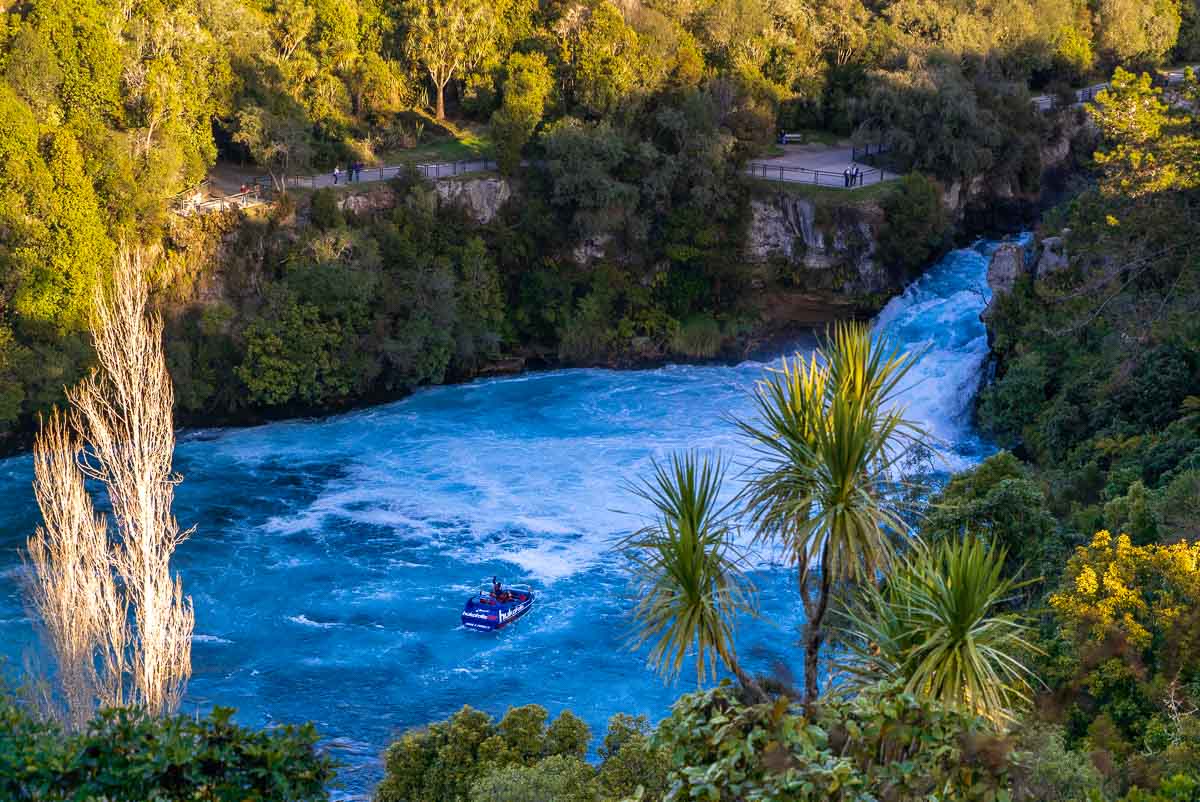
x=823 y=243
x=324 y=301
x=826 y=246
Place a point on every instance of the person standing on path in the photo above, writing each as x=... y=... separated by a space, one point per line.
x=855 y=176
x=846 y=177
x=337 y=172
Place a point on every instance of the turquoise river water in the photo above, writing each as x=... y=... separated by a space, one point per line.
x=332 y=557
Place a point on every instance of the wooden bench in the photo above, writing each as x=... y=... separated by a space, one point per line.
x=788 y=139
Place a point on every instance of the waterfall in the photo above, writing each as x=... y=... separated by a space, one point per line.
x=332 y=557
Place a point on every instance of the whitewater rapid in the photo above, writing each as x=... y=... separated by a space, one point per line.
x=332 y=557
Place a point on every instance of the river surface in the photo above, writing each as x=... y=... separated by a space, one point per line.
x=332 y=557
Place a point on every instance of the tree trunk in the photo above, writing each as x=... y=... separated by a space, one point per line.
x=441 y=102
x=747 y=681
x=814 y=638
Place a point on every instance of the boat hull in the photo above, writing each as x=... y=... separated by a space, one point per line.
x=487 y=617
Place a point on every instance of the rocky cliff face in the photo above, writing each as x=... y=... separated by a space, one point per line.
x=377 y=198
x=1006 y=266
x=1011 y=261
x=481 y=196
x=828 y=246
x=1006 y=202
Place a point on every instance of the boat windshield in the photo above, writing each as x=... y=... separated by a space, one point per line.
x=501 y=592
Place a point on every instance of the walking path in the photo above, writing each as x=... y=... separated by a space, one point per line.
x=819 y=165
x=433 y=171
x=1088 y=93
x=823 y=165
x=229 y=187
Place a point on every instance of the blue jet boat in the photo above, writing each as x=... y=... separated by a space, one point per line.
x=496 y=606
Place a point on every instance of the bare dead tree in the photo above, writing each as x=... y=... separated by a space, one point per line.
x=126 y=637
x=73 y=587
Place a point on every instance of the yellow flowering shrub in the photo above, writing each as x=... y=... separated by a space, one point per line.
x=1149 y=594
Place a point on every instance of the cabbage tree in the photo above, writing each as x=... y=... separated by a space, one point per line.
x=939 y=624
x=828 y=434
x=687 y=572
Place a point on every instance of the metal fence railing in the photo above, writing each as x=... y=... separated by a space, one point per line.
x=384 y=172
x=821 y=178
x=1053 y=102
x=252 y=196
x=869 y=152
x=1088 y=93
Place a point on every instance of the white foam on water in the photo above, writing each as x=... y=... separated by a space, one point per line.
x=552 y=561
x=305 y=621
x=938 y=316
x=386 y=519
x=532 y=469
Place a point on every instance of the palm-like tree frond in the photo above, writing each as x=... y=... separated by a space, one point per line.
x=938 y=625
x=828 y=434
x=687 y=574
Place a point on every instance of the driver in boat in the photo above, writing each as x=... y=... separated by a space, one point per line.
x=497 y=592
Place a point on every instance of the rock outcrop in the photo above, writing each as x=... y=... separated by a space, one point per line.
x=1007 y=265
x=956 y=196
x=591 y=249
x=832 y=246
x=378 y=198
x=1053 y=256
x=482 y=197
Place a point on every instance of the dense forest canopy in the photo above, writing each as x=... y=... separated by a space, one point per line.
x=113 y=110
x=636 y=114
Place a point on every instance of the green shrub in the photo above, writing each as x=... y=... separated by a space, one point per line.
x=1011 y=403
x=698 y=337
x=1160 y=380
x=125 y=756
x=559 y=778
x=1050 y=772
x=916 y=230
x=324 y=211
x=880 y=744
x=1133 y=514
x=587 y=333
x=567 y=735
x=527 y=86
x=1179 y=788
x=445 y=760
x=523 y=730
x=1000 y=502
x=293 y=354
x=631 y=761
x=1178 y=505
